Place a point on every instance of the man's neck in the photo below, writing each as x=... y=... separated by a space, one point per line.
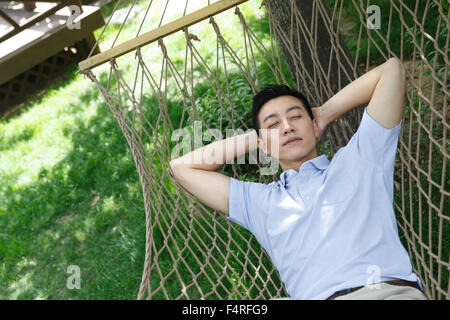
x=296 y=165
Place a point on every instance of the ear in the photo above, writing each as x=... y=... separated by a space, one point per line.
x=316 y=128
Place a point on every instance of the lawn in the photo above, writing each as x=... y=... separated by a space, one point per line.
x=70 y=193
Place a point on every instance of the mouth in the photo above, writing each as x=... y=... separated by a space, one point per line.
x=292 y=141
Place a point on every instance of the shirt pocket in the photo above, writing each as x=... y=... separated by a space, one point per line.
x=338 y=186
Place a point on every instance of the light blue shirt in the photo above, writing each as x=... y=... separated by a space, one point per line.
x=330 y=226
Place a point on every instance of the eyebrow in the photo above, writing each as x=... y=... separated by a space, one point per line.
x=275 y=114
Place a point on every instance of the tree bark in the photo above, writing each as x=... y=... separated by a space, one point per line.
x=304 y=55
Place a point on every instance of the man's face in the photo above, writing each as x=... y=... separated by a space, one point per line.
x=285 y=118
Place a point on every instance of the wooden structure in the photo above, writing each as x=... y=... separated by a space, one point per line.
x=158 y=33
x=36 y=46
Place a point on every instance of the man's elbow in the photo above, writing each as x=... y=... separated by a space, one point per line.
x=397 y=70
x=177 y=167
x=397 y=64
x=174 y=168
x=171 y=163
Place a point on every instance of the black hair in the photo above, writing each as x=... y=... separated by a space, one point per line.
x=271 y=92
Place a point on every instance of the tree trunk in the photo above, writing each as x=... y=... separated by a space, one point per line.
x=292 y=20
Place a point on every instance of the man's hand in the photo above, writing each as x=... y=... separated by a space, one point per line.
x=319 y=115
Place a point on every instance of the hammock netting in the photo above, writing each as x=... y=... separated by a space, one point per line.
x=157 y=89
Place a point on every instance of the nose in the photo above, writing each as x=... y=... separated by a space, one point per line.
x=287 y=127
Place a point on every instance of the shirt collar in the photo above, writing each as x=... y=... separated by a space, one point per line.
x=318 y=163
x=321 y=162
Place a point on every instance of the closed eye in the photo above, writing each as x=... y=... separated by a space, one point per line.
x=276 y=123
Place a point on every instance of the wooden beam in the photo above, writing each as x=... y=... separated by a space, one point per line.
x=8 y=19
x=54 y=40
x=35 y=0
x=35 y=19
x=158 y=33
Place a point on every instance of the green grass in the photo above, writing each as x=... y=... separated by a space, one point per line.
x=70 y=196
x=70 y=192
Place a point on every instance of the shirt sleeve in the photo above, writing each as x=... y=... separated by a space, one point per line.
x=246 y=203
x=377 y=144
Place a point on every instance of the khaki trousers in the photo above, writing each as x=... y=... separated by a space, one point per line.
x=384 y=291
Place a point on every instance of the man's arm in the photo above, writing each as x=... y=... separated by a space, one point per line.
x=383 y=87
x=195 y=171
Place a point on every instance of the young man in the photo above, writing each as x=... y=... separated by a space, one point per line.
x=329 y=227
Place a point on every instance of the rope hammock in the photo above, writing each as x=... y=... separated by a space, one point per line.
x=192 y=251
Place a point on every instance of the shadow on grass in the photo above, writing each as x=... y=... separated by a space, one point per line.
x=25 y=135
x=86 y=211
